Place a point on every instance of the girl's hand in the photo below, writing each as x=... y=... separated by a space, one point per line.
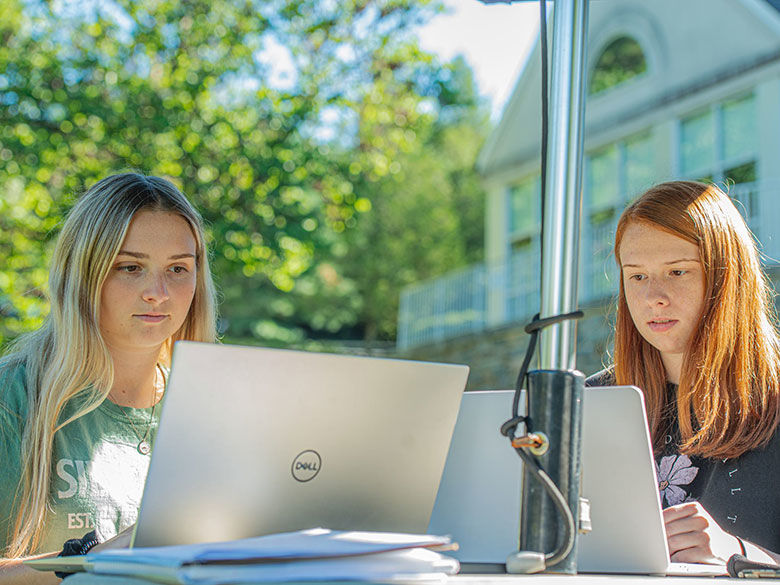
x=694 y=537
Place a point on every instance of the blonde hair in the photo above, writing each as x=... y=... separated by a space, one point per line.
x=728 y=398
x=66 y=361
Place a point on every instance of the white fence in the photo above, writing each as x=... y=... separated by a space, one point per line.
x=482 y=296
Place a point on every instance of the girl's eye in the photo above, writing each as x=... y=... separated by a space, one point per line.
x=678 y=272
x=179 y=269
x=129 y=268
x=636 y=277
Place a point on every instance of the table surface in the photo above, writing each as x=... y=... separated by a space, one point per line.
x=493 y=579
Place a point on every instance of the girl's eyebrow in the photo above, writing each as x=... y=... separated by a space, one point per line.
x=682 y=260
x=665 y=263
x=142 y=255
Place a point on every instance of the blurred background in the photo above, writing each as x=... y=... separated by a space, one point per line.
x=332 y=158
x=369 y=170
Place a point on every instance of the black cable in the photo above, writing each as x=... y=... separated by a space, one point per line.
x=533 y=329
x=521 y=376
x=545 y=108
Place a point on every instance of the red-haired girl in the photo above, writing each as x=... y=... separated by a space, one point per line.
x=696 y=332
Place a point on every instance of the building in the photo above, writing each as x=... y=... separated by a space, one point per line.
x=674 y=90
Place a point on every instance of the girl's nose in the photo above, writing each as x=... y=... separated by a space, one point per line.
x=157 y=290
x=656 y=294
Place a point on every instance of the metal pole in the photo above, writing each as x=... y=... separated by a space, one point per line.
x=555 y=390
x=560 y=249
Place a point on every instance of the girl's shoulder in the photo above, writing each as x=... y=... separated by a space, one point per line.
x=14 y=397
x=605 y=377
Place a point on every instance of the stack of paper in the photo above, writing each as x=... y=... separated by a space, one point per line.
x=308 y=555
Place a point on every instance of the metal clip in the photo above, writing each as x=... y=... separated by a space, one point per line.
x=537 y=443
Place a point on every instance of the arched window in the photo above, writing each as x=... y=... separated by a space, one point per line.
x=621 y=60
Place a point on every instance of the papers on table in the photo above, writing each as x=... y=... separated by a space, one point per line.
x=308 y=555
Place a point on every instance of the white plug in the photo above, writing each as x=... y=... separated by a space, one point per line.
x=524 y=562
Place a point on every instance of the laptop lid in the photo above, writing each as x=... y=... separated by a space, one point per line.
x=478 y=501
x=481 y=510
x=618 y=477
x=255 y=441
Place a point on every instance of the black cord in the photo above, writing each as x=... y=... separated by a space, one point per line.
x=516 y=418
x=533 y=329
x=545 y=108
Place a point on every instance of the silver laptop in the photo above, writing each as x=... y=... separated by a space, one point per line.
x=255 y=441
x=479 y=497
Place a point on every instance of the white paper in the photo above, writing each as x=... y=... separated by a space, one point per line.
x=401 y=565
x=308 y=555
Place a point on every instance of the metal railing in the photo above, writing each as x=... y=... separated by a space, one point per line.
x=442 y=308
x=485 y=296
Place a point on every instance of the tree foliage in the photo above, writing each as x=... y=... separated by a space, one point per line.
x=427 y=211
x=620 y=61
x=297 y=127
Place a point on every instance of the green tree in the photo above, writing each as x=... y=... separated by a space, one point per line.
x=281 y=171
x=428 y=208
x=419 y=202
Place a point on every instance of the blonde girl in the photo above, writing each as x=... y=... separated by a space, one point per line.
x=78 y=397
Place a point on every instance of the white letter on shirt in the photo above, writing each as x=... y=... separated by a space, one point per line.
x=67 y=477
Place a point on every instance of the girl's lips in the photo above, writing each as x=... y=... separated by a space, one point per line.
x=661 y=325
x=151 y=318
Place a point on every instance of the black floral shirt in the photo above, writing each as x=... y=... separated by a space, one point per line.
x=741 y=494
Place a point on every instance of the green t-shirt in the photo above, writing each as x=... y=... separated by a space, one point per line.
x=97 y=475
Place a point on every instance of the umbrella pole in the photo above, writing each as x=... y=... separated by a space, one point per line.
x=555 y=390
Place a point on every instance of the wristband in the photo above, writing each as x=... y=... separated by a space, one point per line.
x=76 y=547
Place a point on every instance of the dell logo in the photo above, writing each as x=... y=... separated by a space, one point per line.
x=306 y=466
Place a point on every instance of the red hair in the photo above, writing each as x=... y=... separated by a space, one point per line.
x=728 y=399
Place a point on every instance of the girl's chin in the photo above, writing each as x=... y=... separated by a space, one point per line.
x=666 y=348
x=138 y=342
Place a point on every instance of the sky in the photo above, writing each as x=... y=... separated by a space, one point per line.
x=493 y=38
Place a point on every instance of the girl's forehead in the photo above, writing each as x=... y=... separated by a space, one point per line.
x=643 y=243
x=159 y=229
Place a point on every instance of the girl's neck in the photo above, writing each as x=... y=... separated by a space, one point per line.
x=673 y=366
x=138 y=381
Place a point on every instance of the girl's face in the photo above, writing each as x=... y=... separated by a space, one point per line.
x=663 y=281
x=149 y=289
